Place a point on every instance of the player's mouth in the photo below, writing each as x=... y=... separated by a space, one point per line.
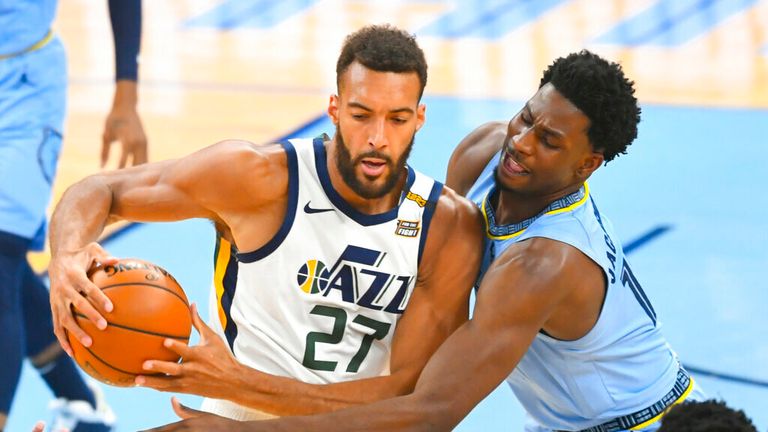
x=373 y=167
x=511 y=166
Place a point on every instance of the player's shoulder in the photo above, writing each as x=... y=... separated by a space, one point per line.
x=455 y=235
x=249 y=150
x=454 y=213
x=245 y=156
x=259 y=171
x=473 y=153
x=541 y=258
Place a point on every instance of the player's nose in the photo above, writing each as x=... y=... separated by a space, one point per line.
x=377 y=136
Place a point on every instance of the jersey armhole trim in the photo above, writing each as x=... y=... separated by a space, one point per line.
x=429 y=211
x=290 y=213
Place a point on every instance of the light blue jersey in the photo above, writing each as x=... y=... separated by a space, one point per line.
x=23 y=23
x=33 y=77
x=622 y=372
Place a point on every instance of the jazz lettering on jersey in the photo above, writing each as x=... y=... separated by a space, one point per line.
x=356 y=277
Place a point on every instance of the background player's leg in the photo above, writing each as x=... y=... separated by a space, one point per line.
x=13 y=250
x=42 y=348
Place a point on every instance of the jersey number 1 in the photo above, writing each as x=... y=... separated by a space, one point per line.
x=628 y=279
x=380 y=330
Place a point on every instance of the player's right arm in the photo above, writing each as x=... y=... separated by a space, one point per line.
x=228 y=182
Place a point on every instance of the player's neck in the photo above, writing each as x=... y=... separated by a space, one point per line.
x=513 y=207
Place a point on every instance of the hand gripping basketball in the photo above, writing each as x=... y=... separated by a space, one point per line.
x=71 y=287
x=149 y=306
x=207 y=369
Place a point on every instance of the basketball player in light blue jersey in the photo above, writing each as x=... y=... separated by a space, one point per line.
x=33 y=80
x=599 y=362
x=340 y=269
x=560 y=314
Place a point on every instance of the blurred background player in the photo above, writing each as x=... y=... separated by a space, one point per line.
x=33 y=86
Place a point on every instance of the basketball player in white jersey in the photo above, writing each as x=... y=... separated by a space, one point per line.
x=322 y=245
x=559 y=315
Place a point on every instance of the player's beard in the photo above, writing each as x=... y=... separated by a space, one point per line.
x=368 y=190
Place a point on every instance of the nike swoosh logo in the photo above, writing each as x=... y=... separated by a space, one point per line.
x=310 y=210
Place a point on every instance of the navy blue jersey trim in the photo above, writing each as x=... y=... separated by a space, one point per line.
x=229 y=285
x=426 y=218
x=363 y=219
x=408 y=182
x=290 y=213
x=227 y=297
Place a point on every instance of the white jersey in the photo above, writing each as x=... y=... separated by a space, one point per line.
x=321 y=300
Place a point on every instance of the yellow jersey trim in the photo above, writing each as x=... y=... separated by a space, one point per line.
x=571 y=207
x=39 y=44
x=222 y=261
x=655 y=419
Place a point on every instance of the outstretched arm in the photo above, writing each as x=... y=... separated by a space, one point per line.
x=123 y=123
x=194 y=186
x=438 y=306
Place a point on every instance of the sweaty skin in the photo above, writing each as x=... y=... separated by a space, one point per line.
x=242 y=188
x=535 y=284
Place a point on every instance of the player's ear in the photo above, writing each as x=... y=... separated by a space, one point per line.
x=421 y=115
x=333 y=109
x=589 y=164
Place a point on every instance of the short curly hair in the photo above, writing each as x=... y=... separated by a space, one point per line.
x=383 y=48
x=706 y=416
x=600 y=90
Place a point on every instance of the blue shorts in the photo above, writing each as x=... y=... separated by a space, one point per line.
x=33 y=89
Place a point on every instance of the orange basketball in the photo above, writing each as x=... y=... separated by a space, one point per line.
x=149 y=306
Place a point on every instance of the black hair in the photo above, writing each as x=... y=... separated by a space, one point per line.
x=707 y=416
x=600 y=90
x=383 y=48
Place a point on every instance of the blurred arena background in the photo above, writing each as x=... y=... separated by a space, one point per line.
x=686 y=199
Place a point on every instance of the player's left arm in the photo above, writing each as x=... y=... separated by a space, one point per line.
x=437 y=307
x=123 y=123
